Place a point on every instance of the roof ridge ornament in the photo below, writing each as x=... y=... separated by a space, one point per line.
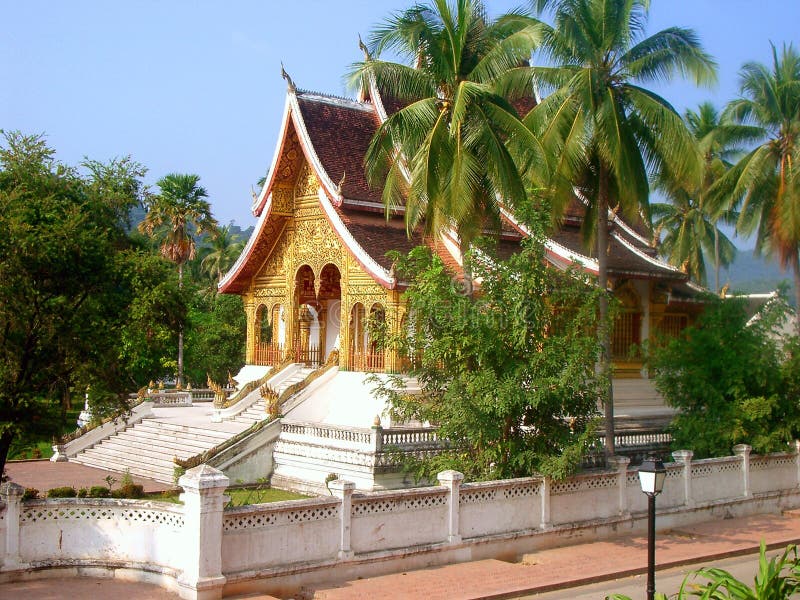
x=364 y=48
x=289 y=82
x=340 y=184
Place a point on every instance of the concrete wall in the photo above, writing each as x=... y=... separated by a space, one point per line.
x=201 y=550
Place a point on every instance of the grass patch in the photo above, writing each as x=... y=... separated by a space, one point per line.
x=238 y=496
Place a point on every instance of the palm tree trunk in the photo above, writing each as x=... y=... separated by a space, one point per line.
x=604 y=330
x=179 y=381
x=716 y=259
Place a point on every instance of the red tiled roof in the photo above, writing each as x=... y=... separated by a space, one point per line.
x=377 y=236
x=340 y=131
x=621 y=260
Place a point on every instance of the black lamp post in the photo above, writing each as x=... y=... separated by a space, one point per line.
x=651 y=477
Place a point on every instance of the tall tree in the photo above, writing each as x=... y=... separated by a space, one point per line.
x=173 y=217
x=223 y=250
x=66 y=286
x=449 y=154
x=691 y=220
x=767 y=179
x=601 y=130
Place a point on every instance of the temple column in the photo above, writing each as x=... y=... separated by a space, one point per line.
x=250 y=319
x=394 y=319
x=304 y=325
x=322 y=317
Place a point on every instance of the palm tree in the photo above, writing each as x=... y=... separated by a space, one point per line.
x=173 y=216
x=602 y=131
x=452 y=151
x=691 y=235
x=222 y=253
x=691 y=219
x=766 y=179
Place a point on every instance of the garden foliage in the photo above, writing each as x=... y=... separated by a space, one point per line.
x=507 y=374
x=734 y=380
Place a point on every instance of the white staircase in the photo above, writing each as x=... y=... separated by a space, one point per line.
x=147 y=448
x=257 y=411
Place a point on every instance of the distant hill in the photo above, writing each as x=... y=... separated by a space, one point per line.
x=752 y=274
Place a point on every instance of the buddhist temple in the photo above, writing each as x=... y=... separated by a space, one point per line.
x=315 y=268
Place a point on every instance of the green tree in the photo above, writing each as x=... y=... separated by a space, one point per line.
x=690 y=219
x=222 y=251
x=506 y=375
x=216 y=337
x=601 y=129
x=733 y=381
x=766 y=179
x=173 y=217
x=63 y=296
x=157 y=309
x=449 y=154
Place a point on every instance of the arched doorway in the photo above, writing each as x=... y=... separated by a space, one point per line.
x=329 y=299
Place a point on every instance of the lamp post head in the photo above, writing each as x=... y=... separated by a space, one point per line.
x=652 y=475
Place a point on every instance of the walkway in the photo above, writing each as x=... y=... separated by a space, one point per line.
x=575 y=565
x=44 y=475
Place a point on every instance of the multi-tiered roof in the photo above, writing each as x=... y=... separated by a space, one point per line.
x=332 y=135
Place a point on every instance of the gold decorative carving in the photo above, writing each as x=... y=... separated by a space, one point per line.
x=307 y=182
x=282 y=201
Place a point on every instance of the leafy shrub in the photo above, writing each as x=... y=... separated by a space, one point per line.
x=62 y=492
x=733 y=381
x=30 y=494
x=83 y=492
x=129 y=490
x=127 y=479
x=99 y=491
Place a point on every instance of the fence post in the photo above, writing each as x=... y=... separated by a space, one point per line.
x=12 y=497
x=684 y=457
x=344 y=491
x=743 y=452
x=621 y=463
x=204 y=499
x=452 y=481
x=377 y=435
x=797 y=459
x=545 y=492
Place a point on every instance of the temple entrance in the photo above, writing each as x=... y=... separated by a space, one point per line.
x=316 y=331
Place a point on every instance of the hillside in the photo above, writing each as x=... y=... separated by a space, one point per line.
x=752 y=274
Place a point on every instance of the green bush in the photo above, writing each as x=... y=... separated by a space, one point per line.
x=83 y=492
x=30 y=494
x=129 y=490
x=733 y=381
x=99 y=491
x=62 y=492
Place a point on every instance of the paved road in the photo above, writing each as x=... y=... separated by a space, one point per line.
x=667 y=581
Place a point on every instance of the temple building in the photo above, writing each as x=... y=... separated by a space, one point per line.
x=315 y=269
x=314 y=275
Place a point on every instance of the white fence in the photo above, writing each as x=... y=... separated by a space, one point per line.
x=199 y=549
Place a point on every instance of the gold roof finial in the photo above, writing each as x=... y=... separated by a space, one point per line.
x=288 y=79
x=341 y=183
x=364 y=48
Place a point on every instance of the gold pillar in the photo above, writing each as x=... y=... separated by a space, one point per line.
x=304 y=323
x=250 y=317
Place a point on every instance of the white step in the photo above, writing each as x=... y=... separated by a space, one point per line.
x=147 y=449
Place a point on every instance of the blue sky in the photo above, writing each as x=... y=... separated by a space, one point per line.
x=195 y=86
